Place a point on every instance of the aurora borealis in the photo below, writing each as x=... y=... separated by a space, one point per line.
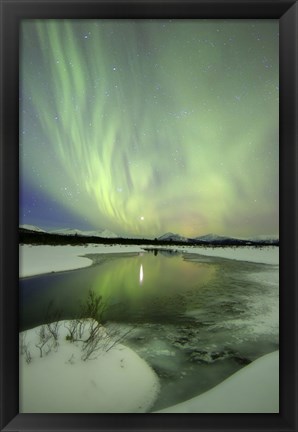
x=148 y=126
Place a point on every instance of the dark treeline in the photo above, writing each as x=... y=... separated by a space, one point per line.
x=43 y=238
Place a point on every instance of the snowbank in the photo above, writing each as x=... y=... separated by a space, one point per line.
x=253 y=389
x=117 y=381
x=36 y=260
x=264 y=255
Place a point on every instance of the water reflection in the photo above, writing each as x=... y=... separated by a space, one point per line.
x=141 y=274
x=117 y=280
x=195 y=323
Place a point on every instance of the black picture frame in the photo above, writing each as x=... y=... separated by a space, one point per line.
x=11 y=13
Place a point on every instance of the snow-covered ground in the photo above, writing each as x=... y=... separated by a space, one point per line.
x=61 y=382
x=36 y=260
x=253 y=389
x=102 y=385
x=264 y=255
x=117 y=381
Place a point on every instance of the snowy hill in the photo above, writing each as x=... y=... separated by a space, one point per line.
x=70 y=231
x=31 y=228
x=216 y=239
x=173 y=237
x=213 y=238
x=66 y=231
x=107 y=234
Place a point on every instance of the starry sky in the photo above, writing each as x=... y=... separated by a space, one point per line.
x=148 y=126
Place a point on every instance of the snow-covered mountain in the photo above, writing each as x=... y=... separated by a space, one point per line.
x=169 y=236
x=208 y=238
x=213 y=238
x=70 y=231
x=218 y=239
x=105 y=233
x=31 y=228
x=66 y=231
x=174 y=237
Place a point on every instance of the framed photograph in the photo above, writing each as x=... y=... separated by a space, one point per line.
x=148 y=215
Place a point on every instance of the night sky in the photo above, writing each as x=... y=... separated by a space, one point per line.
x=148 y=126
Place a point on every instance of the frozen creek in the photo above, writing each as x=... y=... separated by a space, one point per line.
x=182 y=354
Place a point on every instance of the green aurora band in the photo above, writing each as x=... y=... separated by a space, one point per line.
x=148 y=126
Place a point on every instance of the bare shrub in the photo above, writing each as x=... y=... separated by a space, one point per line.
x=115 y=336
x=28 y=356
x=93 y=307
x=44 y=337
x=102 y=340
x=52 y=318
x=86 y=329
x=53 y=329
x=24 y=347
x=92 y=345
x=76 y=329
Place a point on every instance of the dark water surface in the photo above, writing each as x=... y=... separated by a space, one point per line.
x=194 y=319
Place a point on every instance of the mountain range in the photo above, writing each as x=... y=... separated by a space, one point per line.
x=69 y=231
x=217 y=239
x=169 y=236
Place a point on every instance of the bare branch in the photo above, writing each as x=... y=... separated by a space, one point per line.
x=44 y=337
